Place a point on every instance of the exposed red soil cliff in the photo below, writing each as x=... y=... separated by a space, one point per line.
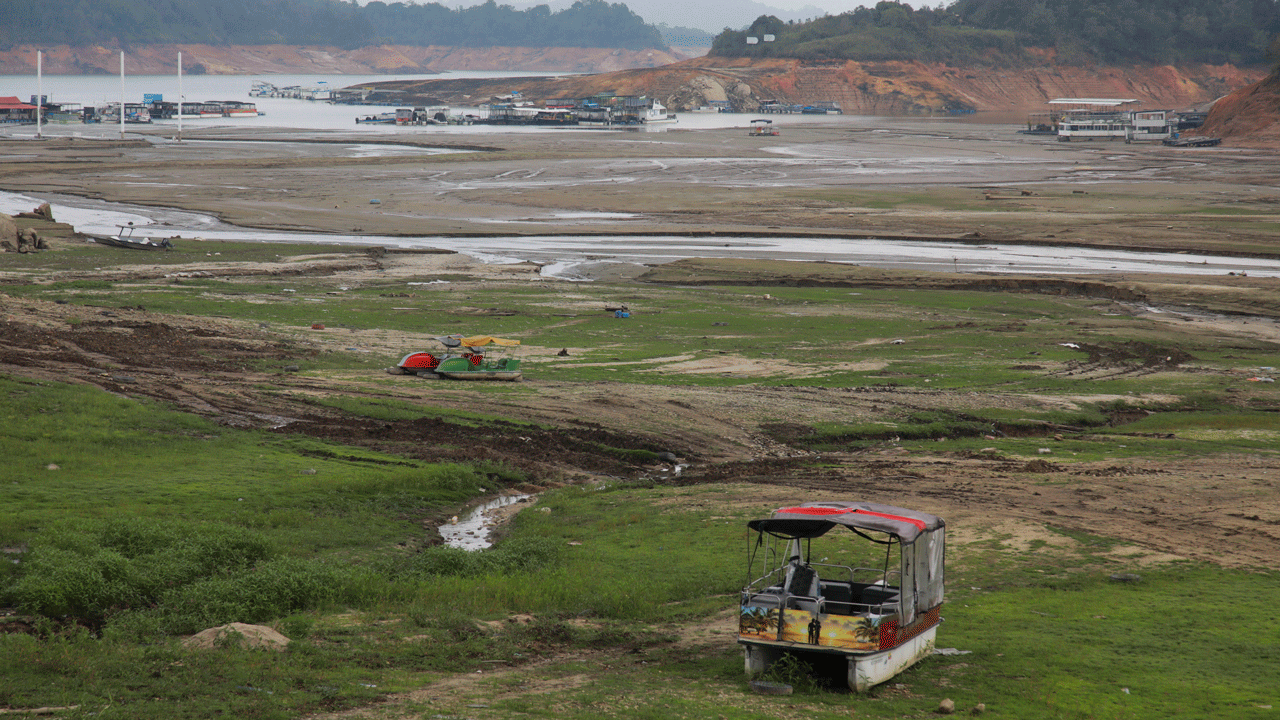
x=866 y=88
x=286 y=59
x=882 y=88
x=1250 y=115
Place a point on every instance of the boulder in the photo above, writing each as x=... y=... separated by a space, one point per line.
x=29 y=241
x=8 y=230
x=43 y=212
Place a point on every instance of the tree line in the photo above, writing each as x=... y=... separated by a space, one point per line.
x=995 y=32
x=587 y=23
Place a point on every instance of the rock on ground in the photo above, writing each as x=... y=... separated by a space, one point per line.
x=255 y=636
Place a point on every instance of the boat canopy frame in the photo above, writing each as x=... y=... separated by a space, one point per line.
x=920 y=537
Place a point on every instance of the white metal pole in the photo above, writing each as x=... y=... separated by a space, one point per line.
x=121 y=94
x=179 y=96
x=39 y=92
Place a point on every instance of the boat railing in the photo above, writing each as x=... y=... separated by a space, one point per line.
x=840 y=599
x=768 y=581
x=843 y=590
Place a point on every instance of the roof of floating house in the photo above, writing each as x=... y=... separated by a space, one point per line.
x=1101 y=102
x=13 y=103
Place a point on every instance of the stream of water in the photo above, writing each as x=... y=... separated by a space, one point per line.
x=563 y=256
x=472 y=531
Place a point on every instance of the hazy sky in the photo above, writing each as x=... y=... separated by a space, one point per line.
x=710 y=15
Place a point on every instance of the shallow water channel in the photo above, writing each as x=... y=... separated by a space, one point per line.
x=472 y=531
x=563 y=256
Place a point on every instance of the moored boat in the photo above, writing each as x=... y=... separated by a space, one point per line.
x=385 y=118
x=657 y=113
x=480 y=357
x=237 y=108
x=876 y=607
x=134 y=113
x=208 y=109
x=126 y=239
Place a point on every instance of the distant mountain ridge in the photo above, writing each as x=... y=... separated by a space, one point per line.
x=130 y=23
x=711 y=16
x=321 y=60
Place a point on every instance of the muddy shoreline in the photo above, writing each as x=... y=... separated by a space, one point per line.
x=897 y=178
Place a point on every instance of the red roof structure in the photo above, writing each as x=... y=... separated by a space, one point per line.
x=13 y=103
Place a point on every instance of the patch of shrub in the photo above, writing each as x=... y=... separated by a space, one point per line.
x=86 y=571
x=273 y=589
x=516 y=555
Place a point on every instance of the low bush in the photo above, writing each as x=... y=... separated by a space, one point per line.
x=85 y=571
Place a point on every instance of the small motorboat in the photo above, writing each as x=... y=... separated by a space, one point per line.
x=126 y=239
x=874 y=604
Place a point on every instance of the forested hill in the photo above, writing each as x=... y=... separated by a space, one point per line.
x=994 y=32
x=587 y=23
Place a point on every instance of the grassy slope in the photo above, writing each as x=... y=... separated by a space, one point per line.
x=370 y=619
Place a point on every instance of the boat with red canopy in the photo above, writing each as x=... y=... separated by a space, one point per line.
x=852 y=580
x=479 y=357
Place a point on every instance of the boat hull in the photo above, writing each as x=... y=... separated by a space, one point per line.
x=508 y=375
x=459 y=367
x=133 y=244
x=866 y=669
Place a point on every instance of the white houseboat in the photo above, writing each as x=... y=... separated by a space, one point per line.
x=1104 y=119
x=1151 y=125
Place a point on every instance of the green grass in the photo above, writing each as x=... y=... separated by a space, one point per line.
x=950 y=340
x=629 y=561
x=143 y=523
x=125 y=457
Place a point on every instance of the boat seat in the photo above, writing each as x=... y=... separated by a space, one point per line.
x=881 y=600
x=837 y=598
x=803 y=587
x=422 y=360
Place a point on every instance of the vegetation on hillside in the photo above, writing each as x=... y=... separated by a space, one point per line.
x=1162 y=31
x=997 y=31
x=889 y=31
x=587 y=23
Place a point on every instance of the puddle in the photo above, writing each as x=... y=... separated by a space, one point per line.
x=472 y=532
